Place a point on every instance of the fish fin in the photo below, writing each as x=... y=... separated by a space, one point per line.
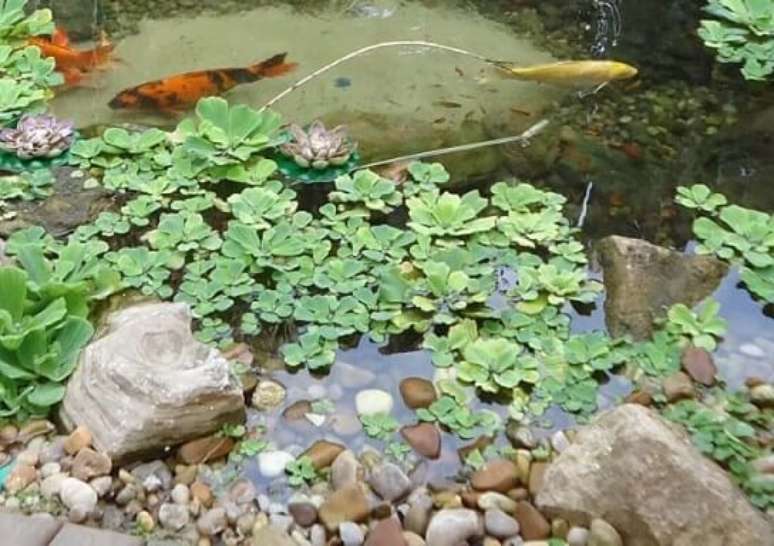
x=60 y=37
x=272 y=67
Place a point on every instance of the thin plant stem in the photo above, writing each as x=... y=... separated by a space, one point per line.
x=400 y=43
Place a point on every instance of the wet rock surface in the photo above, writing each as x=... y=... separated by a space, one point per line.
x=643 y=280
x=145 y=384
x=643 y=476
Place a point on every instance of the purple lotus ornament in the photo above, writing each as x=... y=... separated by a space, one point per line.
x=38 y=136
x=317 y=147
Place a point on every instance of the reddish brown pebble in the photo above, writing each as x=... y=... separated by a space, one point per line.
x=640 y=397
x=697 y=362
x=387 y=532
x=323 y=453
x=206 y=449
x=497 y=475
x=531 y=522
x=425 y=438
x=417 y=392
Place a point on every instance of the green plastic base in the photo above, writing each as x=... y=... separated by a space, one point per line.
x=12 y=163
x=295 y=172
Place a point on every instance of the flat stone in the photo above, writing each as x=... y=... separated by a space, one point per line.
x=268 y=395
x=642 y=280
x=372 y=402
x=417 y=392
x=304 y=513
x=697 y=363
x=206 y=449
x=28 y=531
x=20 y=477
x=351 y=534
x=346 y=470
x=389 y=482
x=762 y=395
x=678 y=386
x=499 y=524
x=270 y=536
x=272 y=463
x=297 y=410
x=532 y=523
x=146 y=384
x=578 y=536
x=387 y=532
x=77 y=440
x=493 y=499
x=497 y=475
x=424 y=438
x=643 y=475
x=454 y=526
x=89 y=464
x=603 y=534
x=77 y=535
x=323 y=453
x=346 y=504
x=77 y=495
x=537 y=471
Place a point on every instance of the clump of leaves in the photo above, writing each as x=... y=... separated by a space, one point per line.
x=700 y=197
x=368 y=189
x=448 y=214
x=458 y=417
x=742 y=31
x=301 y=472
x=43 y=323
x=702 y=329
x=379 y=425
x=29 y=186
x=312 y=349
x=726 y=434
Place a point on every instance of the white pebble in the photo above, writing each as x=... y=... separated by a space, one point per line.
x=272 y=463
x=751 y=350
x=373 y=401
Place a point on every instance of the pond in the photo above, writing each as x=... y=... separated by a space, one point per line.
x=530 y=283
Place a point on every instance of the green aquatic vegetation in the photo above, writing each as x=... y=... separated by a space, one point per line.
x=145 y=269
x=212 y=286
x=43 y=321
x=247 y=448
x=121 y=142
x=108 y=224
x=341 y=275
x=274 y=306
x=525 y=198
x=183 y=232
x=140 y=209
x=529 y=329
x=312 y=349
x=459 y=418
x=380 y=243
x=428 y=173
x=728 y=436
x=214 y=330
x=742 y=31
x=367 y=188
x=18 y=97
x=380 y=425
x=444 y=348
x=344 y=315
x=477 y=458
x=301 y=472
x=261 y=207
x=701 y=329
x=16 y=24
x=199 y=203
x=443 y=293
x=700 y=197
x=659 y=356
x=29 y=186
x=448 y=215
x=398 y=451
x=270 y=248
x=492 y=364
x=554 y=283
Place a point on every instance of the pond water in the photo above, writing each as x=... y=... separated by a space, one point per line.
x=616 y=155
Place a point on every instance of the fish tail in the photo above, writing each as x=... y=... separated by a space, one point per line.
x=272 y=67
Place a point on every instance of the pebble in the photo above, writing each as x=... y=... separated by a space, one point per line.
x=245 y=523
x=181 y=494
x=531 y=522
x=297 y=410
x=346 y=424
x=352 y=377
x=77 y=440
x=752 y=350
x=8 y=435
x=173 y=516
x=90 y=464
x=389 y=482
x=51 y=485
x=451 y=527
x=282 y=522
x=493 y=499
x=153 y=476
x=698 y=364
x=113 y=518
x=373 y=401
x=102 y=485
x=145 y=521
x=345 y=470
x=413 y=539
x=346 y=504
x=559 y=441
x=678 y=386
x=185 y=474
x=268 y=394
x=603 y=534
x=387 y=532
x=417 y=392
x=304 y=513
x=317 y=535
x=520 y=436
x=351 y=534
x=201 y=450
x=537 y=473
x=270 y=536
x=77 y=495
x=127 y=494
x=323 y=453
x=578 y=536
x=496 y=475
x=202 y=493
x=424 y=438
x=272 y=463
x=762 y=395
x=49 y=469
x=499 y=524
x=419 y=512
x=212 y=522
x=53 y=451
x=21 y=476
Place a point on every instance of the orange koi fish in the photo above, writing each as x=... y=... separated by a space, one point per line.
x=72 y=63
x=182 y=91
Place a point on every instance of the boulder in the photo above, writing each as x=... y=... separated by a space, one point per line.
x=146 y=384
x=641 y=474
x=643 y=280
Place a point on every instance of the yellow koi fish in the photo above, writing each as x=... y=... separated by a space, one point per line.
x=575 y=74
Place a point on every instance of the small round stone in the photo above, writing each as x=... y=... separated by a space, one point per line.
x=351 y=534
x=181 y=494
x=499 y=524
x=373 y=401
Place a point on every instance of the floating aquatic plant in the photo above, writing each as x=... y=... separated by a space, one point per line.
x=318 y=147
x=38 y=136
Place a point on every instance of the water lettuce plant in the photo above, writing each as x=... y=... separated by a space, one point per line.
x=742 y=31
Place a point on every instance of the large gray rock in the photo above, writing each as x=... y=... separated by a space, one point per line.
x=643 y=280
x=642 y=475
x=146 y=384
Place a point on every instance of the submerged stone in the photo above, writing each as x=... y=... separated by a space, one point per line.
x=146 y=384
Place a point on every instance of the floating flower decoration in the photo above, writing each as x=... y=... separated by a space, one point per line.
x=38 y=136
x=317 y=147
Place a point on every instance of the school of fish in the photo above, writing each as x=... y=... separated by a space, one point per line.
x=180 y=92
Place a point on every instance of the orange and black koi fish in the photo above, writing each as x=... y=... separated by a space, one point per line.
x=73 y=63
x=182 y=91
